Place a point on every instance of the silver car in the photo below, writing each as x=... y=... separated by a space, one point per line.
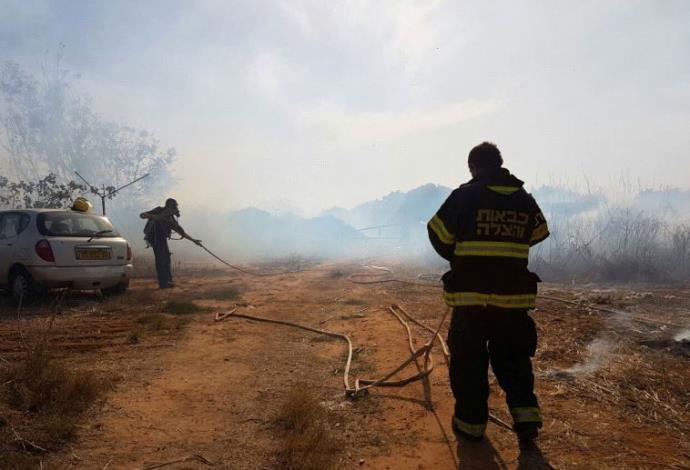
x=49 y=248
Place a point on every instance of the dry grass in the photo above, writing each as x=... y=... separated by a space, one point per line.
x=645 y=385
x=336 y=274
x=292 y=262
x=637 y=377
x=621 y=244
x=183 y=307
x=224 y=293
x=132 y=299
x=161 y=322
x=41 y=403
x=305 y=427
x=601 y=299
x=145 y=267
x=352 y=301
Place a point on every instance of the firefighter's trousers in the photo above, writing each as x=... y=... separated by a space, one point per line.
x=505 y=338
x=163 y=262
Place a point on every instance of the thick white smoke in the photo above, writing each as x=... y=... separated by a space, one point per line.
x=683 y=335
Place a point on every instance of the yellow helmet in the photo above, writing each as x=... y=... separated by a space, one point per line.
x=81 y=204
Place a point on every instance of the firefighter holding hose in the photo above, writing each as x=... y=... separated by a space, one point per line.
x=485 y=230
x=160 y=223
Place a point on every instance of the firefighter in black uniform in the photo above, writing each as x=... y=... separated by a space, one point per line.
x=161 y=221
x=485 y=229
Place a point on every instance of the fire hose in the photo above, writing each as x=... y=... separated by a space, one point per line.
x=246 y=271
x=376 y=278
x=362 y=386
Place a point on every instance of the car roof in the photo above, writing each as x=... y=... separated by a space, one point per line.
x=34 y=210
x=39 y=211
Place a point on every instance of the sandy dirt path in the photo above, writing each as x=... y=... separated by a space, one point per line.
x=216 y=391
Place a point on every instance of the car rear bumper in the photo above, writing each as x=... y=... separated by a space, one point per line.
x=82 y=277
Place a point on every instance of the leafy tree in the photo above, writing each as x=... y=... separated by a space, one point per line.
x=47 y=128
x=44 y=193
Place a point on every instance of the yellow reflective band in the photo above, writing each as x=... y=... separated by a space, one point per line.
x=439 y=228
x=476 y=430
x=539 y=233
x=502 y=249
x=503 y=189
x=526 y=414
x=473 y=299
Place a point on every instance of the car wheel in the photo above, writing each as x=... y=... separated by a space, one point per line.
x=22 y=287
x=116 y=289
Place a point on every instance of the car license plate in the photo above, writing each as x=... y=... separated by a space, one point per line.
x=92 y=254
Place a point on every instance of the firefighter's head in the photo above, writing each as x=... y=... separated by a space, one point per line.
x=171 y=205
x=484 y=158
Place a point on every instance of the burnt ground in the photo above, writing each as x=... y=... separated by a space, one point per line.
x=614 y=385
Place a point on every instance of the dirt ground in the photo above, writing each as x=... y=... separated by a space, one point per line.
x=614 y=386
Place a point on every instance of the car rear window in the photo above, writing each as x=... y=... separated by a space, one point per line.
x=74 y=224
x=12 y=224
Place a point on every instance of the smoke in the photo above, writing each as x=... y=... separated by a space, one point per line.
x=598 y=353
x=683 y=335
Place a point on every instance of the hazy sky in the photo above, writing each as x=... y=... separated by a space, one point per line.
x=321 y=103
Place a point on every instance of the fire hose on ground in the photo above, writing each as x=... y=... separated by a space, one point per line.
x=246 y=271
x=362 y=386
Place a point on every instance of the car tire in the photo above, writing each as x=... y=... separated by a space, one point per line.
x=117 y=289
x=22 y=287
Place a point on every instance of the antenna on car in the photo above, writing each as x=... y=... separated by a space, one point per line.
x=104 y=193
